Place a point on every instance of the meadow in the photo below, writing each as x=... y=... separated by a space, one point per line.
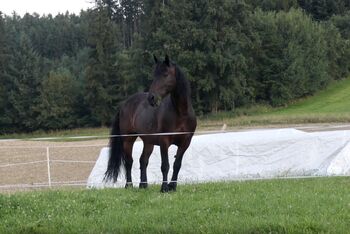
x=331 y=105
x=315 y=205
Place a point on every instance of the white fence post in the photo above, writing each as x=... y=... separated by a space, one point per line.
x=48 y=165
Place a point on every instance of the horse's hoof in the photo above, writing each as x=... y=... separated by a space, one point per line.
x=164 y=188
x=128 y=185
x=172 y=186
x=143 y=185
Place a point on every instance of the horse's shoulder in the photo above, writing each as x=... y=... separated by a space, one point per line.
x=135 y=98
x=138 y=95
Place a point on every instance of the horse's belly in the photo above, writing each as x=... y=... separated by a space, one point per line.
x=152 y=140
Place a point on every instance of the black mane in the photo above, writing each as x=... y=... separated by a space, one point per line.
x=182 y=84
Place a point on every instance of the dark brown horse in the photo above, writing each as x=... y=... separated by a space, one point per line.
x=166 y=108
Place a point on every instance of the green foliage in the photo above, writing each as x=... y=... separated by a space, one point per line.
x=270 y=206
x=207 y=39
x=3 y=68
x=291 y=56
x=342 y=22
x=102 y=94
x=324 y=9
x=274 y=5
x=23 y=81
x=235 y=53
x=59 y=101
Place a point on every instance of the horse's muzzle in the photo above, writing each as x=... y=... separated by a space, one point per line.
x=153 y=99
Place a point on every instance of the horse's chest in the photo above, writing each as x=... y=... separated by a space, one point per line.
x=183 y=125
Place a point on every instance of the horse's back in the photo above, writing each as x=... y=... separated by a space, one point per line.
x=129 y=109
x=138 y=116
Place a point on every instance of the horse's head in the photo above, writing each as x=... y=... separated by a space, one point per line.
x=164 y=81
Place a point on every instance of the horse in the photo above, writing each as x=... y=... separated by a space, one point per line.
x=163 y=116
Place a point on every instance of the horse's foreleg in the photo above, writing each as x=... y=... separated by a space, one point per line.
x=177 y=165
x=146 y=153
x=164 y=168
x=128 y=144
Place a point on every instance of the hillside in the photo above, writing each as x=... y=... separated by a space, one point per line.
x=335 y=99
x=331 y=105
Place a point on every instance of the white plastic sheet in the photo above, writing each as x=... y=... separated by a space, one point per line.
x=244 y=155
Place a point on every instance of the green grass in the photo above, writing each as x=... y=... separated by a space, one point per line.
x=334 y=100
x=319 y=205
x=331 y=105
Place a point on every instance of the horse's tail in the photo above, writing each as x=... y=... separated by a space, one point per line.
x=116 y=152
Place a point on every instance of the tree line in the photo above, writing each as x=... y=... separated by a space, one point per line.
x=68 y=70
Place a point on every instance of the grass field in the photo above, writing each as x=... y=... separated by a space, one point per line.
x=318 y=205
x=331 y=105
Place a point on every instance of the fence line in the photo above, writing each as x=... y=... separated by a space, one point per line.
x=26 y=163
x=111 y=136
x=48 y=165
x=51 y=146
x=48 y=162
x=223 y=130
x=44 y=161
x=71 y=161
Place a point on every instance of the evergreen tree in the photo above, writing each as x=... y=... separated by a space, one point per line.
x=273 y=5
x=235 y=53
x=59 y=101
x=4 y=120
x=102 y=81
x=131 y=11
x=324 y=9
x=25 y=81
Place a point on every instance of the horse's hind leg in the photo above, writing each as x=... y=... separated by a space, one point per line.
x=146 y=153
x=128 y=144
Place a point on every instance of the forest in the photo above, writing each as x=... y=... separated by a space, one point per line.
x=70 y=71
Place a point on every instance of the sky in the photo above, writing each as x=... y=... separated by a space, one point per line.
x=44 y=6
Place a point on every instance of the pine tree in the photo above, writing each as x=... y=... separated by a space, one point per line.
x=25 y=82
x=102 y=81
x=4 y=120
x=131 y=11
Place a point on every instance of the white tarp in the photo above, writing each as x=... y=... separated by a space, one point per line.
x=244 y=155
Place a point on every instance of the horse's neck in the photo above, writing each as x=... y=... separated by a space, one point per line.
x=182 y=104
x=181 y=99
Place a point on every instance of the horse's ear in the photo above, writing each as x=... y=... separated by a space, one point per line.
x=166 y=60
x=155 y=58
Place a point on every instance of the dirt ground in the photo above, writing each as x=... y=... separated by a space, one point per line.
x=23 y=164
